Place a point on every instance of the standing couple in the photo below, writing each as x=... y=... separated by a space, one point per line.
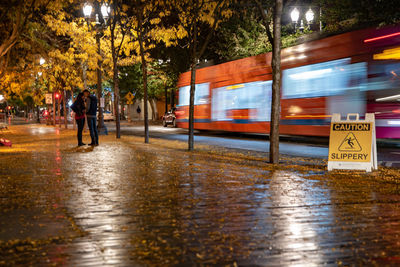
x=86 y=104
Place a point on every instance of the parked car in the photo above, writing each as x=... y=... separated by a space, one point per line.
x=169 y=118
x=107 y=115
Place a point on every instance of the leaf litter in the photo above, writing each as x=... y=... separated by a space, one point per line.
x=162 y=205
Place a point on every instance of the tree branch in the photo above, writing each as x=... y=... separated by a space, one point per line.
x=213 y=28
x=3 y=65
x=266 y=20
x=10 y=42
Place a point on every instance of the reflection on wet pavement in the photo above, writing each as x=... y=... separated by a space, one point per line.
x=125 y=204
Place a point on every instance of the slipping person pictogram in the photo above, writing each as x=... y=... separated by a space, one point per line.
x=350 y=144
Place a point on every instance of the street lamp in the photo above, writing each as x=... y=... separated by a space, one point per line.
x=104 y=12
x=87 y=10
x=294 y=15
x=309 y=17
x=39 y=74
x=41 y=62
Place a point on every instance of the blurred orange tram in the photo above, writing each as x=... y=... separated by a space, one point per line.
x=355 y=72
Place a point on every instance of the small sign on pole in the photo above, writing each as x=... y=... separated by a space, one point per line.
x=49 y=99
x=352 y=143
x=129 y=96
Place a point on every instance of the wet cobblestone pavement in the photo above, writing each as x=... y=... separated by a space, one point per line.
x=125 y=203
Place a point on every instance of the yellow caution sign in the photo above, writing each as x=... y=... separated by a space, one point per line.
x=352 y=143
x=49 y=99
x=129 y=96
x=129 y=102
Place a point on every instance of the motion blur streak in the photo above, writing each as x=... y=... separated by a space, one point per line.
x=347 y=73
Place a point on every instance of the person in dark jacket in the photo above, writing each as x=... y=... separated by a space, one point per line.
x=79 y=108
x=91 y=112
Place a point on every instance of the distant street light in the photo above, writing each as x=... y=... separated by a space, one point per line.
x=87 y=10
x=309 y=17
x=39 y=74
x=104 y=11
x=294 y=15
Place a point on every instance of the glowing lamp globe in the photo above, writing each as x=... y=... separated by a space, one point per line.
x=294 y=15
x=105 y=11
x=309 y=15
x=87 y=10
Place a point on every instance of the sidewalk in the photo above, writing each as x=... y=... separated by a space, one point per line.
x=125 y=203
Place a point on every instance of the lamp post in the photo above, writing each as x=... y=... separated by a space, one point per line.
x=41 y=62
x=294 y=15
x=309 y=17
x=102 y=12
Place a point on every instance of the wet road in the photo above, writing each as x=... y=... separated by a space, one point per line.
x=129 y=204
x=313 y=147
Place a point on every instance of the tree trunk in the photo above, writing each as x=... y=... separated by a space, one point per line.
x=172 y=98
x=59 y=109
x=54 y=110
x=276 y=85
x=192 y=85
x=191 y=105
x=145 y=95
x=73 y=117
x=102 y=129
x=195 y=56
x=9 y=42
x=166 y=97
x=84 y=74
x=116 y=104
x=38 y=113
x=65 y=109
x=116 y=86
